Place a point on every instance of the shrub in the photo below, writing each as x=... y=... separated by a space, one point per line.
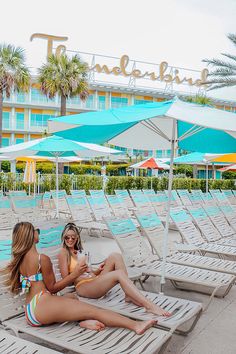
x=9 y=181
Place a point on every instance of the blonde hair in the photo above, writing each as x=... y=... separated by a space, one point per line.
x=78 y=245
x=22 y=241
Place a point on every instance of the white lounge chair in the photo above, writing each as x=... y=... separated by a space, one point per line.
x=136 y=253
x=70 y=336
x=14 y=345
x=193 y=237
x=154 y=231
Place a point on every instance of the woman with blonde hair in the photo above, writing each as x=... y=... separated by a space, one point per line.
x=33 y=272
x=96 y=283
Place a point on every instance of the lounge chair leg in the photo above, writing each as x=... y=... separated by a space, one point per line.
x=211 y=297
x=185 y=333
x=141 y=284
x=145 y=278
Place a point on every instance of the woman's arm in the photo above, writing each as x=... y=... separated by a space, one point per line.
x=49 y=279
x=63 y=265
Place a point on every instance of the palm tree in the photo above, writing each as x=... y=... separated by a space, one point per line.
x=64 y=76
x=14 y=75
x=224 y=74
x=200 y=99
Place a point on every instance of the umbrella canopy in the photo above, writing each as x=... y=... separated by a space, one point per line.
x=193 y=158
x=199 y=127
x=39 y=158
x=147 y=127
x=226 y=158
x=55 y=146
x=231 y=168
x=151 y=163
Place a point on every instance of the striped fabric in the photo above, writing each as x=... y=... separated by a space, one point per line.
x=26 y=281
x=30 y=310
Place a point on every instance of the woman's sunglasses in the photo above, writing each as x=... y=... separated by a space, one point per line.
x=73 y=238
x=38 y=231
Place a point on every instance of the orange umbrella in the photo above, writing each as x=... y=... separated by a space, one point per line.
x=151 y=163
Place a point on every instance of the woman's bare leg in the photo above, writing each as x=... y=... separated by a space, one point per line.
x=102 y=284
x=114 y=262
x=49 y=310
x=89 y=324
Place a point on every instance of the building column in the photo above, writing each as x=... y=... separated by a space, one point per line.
x=96 y=100
x=13 y=166
x=13 y=118
x=194 y=171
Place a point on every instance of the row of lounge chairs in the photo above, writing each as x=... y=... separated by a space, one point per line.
x=192 y=271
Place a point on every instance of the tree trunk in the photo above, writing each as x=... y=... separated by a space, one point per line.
x=63 y=113
x=1 y=107
x=63 y=105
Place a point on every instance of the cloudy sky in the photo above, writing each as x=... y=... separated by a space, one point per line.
x=181 y=32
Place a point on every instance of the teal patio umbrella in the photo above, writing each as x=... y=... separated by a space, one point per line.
x=57 y=147
x=158 y=125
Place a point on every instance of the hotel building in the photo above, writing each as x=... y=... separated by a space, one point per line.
x=25 y=115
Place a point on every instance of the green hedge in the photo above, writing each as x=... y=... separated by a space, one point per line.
x=8 y=181
x=77 y=169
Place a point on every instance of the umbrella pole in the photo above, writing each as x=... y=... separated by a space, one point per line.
x=57 y=188
x=166 y=230
x=207 y=177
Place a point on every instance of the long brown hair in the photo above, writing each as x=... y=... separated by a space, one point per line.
x=78 y=245
x=22 y=241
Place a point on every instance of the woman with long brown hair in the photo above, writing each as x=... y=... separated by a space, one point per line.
x=96 y=283
x=33 y=272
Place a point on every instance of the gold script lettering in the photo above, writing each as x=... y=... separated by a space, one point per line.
x=204 y=74
x=50 y=38
x=101 y=69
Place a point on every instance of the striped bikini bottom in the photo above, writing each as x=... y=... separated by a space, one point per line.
x=30 y=310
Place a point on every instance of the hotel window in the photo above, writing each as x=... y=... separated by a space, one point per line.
x=159 y=153
x=6 y=120
x=137 y=101
x=20 y=124
x=20 y=97
x=89 y=103
x=20 y=140
x=38 y=96
x=40 y=120
x=101 y=102
x=5 y=142
x=117 y=102
x=74 y=100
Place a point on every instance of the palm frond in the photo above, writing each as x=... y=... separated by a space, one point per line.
x=216 y=84
x=232 y=37
x=65 y=76
x=220 y=63
x=230 y=56
x=14 y=73
x=222 y=72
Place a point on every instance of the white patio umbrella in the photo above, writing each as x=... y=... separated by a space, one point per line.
x=56 y=147
x=157 y=125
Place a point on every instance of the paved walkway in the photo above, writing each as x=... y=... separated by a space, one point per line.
x=215 y=332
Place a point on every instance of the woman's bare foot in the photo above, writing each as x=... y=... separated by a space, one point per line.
x=92 y=324
x=157 y=310
x=142 y=326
